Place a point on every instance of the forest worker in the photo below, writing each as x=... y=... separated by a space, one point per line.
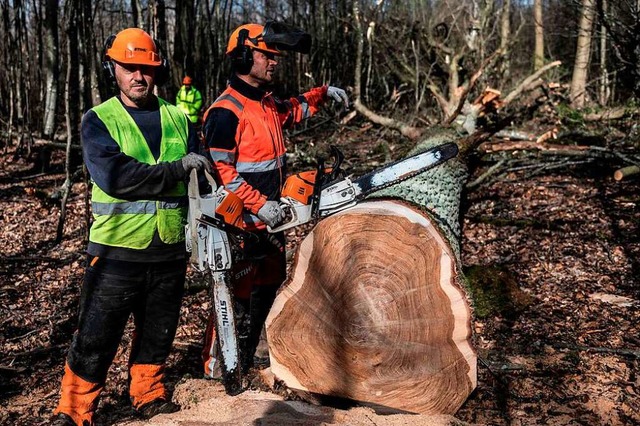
x=139 y=149
x=243 y=133
x=189 y=99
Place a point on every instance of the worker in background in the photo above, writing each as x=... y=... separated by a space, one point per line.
x=243 y=133
x=189 y=100
x=139 y=150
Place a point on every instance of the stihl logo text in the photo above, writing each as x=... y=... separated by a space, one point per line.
x=224 y=313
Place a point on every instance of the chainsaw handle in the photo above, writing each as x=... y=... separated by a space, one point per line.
x=338 y=158
x=194 y=183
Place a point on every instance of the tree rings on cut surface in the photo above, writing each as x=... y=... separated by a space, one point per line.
x=373 y=312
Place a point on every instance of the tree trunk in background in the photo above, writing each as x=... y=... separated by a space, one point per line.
x=52 y=65
x=72 y=100
x=538 y=51
x=577 y=92
x=88 y=72
x=136 y=10
x=157 y=25
x=17 y=54
x=158 y=21
x=375 y=309
x=7 y=51
x=184 y=36
x=604 y=90
x=270 y=9
x=505 y=37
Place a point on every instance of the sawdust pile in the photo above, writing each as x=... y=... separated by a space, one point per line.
x=205 y=403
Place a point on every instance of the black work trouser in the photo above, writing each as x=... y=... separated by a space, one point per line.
x=267 y=258
x=112 y=291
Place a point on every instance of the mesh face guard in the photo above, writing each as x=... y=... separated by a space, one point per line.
x=285 y=37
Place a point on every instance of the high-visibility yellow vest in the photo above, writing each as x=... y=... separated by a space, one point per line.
x=131 y=224
x=190 y=102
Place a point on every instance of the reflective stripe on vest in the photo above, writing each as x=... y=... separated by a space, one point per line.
x=132 y=224
x=230 y=98
x=260 y=166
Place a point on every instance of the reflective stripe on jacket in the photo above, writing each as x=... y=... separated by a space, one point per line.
x=132 y=224
x=253 y=165
x=189 y=102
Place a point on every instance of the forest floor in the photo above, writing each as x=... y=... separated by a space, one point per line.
x=562 y=349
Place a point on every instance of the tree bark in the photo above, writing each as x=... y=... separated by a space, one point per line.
x=583 y=51
x=183 y=38
x=604 y=90
x=538 y=60
x=72 y=100
x=505 y=37
x=375 y=309
x=51 y=67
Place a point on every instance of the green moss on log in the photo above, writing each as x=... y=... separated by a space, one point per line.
x=437 y=191
x=494 y=291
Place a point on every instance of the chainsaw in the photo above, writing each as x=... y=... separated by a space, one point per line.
x=316 y=194
x=214 y=237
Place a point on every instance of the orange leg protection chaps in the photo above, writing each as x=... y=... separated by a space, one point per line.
x=78 y=398
x=146 y=384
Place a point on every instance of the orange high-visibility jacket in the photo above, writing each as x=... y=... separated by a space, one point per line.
x=243 y=133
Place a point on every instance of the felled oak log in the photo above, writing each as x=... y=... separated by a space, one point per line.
x=375 y=309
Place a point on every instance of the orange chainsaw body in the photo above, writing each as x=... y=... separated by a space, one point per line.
x=300 y=186
x=229 y=208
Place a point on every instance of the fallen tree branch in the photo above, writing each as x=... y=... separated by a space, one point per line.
x=515 y=135
x=529 y=83
x=625 y=352
x=489 y=147
x=410 y=132
x=491 y=171
x=626 y=172
x=57 y=145
x=609 y=114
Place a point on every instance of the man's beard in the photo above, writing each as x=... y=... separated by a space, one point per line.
x=140 y=97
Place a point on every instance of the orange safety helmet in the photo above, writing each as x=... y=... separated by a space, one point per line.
x=186 y=81
x=133 y=46
x=254 y=39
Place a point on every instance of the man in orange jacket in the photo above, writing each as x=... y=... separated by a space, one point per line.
x=243 y=133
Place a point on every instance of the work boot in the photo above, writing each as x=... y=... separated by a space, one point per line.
x=62 y=419
x=157 y=406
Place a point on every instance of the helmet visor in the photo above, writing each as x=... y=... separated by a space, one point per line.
x=285 y=37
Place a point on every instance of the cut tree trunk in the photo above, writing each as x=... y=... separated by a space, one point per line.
x=375 y=309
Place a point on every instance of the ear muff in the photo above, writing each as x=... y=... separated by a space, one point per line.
x=162 y=74
x=107 y=66
x=242 y=56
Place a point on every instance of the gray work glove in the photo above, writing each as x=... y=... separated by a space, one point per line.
x=338 y=95
x=195 y=161
x=271 y=214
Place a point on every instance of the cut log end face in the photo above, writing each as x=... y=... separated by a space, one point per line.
x=372 y=312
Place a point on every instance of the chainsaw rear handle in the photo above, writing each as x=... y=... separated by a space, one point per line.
x=194 y=183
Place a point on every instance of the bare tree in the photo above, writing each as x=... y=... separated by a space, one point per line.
x=51 y=67
x=72 y=100
x=538 y=51
x=183 y=42
x=505 y=36
x=604 y=89
x=583 y=54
